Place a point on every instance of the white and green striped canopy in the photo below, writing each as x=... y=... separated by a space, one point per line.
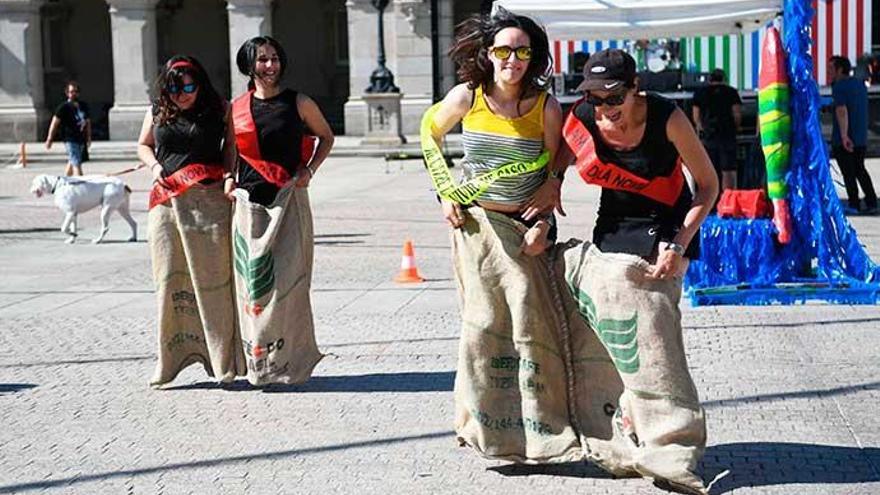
x=644 y=19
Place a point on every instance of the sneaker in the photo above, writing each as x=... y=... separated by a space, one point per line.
x=849 y=210
x=872 y=210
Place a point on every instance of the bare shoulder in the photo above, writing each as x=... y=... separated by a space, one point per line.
x=552 y=107
x=459 y=97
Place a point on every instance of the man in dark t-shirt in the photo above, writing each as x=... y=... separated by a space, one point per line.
x=71 y=118
x=717 y=114
x=850 y=135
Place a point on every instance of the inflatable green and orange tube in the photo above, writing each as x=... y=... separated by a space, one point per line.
x=775 y=125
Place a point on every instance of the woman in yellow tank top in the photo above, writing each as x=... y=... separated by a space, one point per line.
x=512 y=386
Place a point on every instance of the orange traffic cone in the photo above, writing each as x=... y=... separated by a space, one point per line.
x=408 y=271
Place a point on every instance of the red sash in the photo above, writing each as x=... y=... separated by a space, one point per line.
x=249 y=147
x=594 y=171
x=183 y=179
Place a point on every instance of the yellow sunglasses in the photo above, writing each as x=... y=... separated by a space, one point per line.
x=523 y=53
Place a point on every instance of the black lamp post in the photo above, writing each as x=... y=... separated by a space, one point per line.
x=381 y=80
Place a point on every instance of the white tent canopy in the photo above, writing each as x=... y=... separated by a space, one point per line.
x=644 y=19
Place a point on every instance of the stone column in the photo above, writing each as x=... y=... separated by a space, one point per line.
x=22 y=98
x=135 y=64
x=247 y=18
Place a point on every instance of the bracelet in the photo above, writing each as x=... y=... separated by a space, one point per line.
x=675 y=248
x=311 y=172
x=154 y=164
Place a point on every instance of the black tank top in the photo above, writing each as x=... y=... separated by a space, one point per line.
x=189 y=139
x=279 y=134
x=629 y=222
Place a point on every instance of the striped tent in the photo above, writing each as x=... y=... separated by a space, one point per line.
x=839 y=27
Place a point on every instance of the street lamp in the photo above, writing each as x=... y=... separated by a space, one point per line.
x=381 y=80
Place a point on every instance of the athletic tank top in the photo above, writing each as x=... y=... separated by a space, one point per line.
x=279 y=134
x=490 y=141
x=627 y=221
x=189 y=139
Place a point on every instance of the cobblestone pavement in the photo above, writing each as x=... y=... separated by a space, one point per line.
x=791 y=393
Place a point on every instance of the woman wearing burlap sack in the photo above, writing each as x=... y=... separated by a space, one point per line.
x=511 y=387
x=272 y=220
x=182 y=141
x=628 y=281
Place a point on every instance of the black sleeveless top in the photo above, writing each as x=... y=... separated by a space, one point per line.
x=190 y=138
x=629 y=222
x=279 y=134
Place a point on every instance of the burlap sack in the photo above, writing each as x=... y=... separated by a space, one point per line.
x=272 y=249
x=659 y=429
x=511 y=387
x=190 y=249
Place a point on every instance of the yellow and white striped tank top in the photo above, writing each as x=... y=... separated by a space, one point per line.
x=490 y=141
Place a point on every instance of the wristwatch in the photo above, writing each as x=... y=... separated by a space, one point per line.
x=675 y=248
x=556 y=174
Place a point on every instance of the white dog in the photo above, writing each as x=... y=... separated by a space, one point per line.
x=74 y=195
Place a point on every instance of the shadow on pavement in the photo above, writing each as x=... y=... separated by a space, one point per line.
x=29 y=230
x=68 y=362
x=434 y=381
x=11 y=388
x=567 y=469
x=782 y=324
x=778 y=463
x=803 y=394
x=218 y=462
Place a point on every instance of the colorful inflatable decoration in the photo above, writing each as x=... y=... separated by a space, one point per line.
x=775 y=124
x=743 y=261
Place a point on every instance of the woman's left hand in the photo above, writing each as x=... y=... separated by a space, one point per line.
x=544 y=200
x=669 y=265
x=304 y=177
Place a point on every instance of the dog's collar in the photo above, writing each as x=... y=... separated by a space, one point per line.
x=55 y=185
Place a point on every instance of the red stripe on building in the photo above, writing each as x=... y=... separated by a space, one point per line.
x=860 y=27
x=844 y=28
x=814 y=45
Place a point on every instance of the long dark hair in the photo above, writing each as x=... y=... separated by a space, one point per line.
x=208 y=103
x=475 y=35
x=246 y=58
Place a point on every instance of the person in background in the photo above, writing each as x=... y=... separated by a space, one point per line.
x=72 y=118
x=850 y=133
x=717 y=115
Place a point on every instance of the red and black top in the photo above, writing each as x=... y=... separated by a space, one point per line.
x=644 y=195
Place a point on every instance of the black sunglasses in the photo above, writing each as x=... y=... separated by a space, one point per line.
x=186 y=88
x=614 y=100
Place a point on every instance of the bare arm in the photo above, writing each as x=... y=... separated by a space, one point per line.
x=737 y=117
x=842 y=117
x=53 y=128
x=697 y=162
x=453 y=108
x=146 y=147
x=695 y=111
x=316 y=122
x=547 y=197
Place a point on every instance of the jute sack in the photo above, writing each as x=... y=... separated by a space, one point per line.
x=659 y=429
x=272 y=249
x=190 y=249
x=595 y=384
x=511 y=387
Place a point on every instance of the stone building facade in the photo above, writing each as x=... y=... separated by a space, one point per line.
x=114 y=49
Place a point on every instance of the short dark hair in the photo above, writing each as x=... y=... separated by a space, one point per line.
x=70 y=83
x=246 y=58
x=841 y=63
x=717 y=75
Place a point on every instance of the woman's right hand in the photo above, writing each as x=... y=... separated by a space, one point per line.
x=157 y=172
x=229 y=186
x=452 y=213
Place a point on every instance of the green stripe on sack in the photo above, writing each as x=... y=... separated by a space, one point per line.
x=258 y=273
x=618 y=336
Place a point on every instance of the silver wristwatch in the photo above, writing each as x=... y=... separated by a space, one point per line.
x=675 y=247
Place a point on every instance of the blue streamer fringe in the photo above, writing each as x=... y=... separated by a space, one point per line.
x=741 y=262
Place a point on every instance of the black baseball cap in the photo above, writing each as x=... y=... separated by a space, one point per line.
x=607 y=70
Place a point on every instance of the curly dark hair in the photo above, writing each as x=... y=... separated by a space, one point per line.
x=246 y=58
x=475 y=35
x=208 y=103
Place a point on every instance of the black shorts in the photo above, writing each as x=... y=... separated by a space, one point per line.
x=722 y=154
